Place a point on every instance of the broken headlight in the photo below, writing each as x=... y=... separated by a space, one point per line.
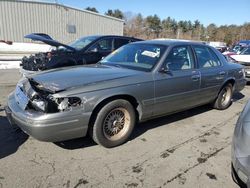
x=66 y=104
x=40 y=105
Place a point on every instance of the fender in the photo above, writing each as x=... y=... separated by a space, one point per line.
x=228 y=80
x=121 y=95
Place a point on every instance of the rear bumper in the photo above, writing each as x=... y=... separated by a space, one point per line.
x=48 y=127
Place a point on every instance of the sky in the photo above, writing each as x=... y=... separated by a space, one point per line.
x=220 y=12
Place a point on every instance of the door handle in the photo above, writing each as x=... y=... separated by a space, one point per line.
x=196 y=77
x=222 y=73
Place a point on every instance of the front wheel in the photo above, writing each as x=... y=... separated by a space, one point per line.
x=114 y=123
x=224 y=98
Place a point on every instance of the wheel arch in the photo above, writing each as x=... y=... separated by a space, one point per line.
x=229 y=80
x=135 y=103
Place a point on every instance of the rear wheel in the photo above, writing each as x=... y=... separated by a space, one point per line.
x=114 y=123
x=224 y=98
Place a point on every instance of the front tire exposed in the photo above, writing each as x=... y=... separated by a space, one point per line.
x=224 y=98
x=114 y=123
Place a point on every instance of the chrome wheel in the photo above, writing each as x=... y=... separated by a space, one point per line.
x=116 y=124
x=226 y=96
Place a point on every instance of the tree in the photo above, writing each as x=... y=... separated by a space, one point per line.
x=115 y=13
x=92 y=9
x=196 y=24
x=154 y=25
x=211 y=31
x=169 y=28
x=183 y=25
x=197 y=30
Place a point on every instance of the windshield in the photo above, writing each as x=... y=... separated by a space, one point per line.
x=245 y=51
x=236 y=48
x=82 y=42
x=141 y=57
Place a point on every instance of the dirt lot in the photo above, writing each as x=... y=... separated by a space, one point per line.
x=188 y=149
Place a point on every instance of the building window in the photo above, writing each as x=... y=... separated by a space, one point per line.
x=71 y=28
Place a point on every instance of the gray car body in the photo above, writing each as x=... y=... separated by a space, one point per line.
x=241 y=149
x=153 y=94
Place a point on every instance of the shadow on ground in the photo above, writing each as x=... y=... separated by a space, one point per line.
x=238 y=96
x=141 y=128
x=10 y=137
x=165 y=120
x=76 y=143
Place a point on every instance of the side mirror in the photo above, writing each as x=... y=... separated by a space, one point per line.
x=94 y=50
x=165 y=70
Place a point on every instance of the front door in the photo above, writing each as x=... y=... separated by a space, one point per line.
x=99 y=50
x=177 y=87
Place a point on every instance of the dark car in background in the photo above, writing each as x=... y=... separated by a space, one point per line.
x=137 y=82
x=85 y=50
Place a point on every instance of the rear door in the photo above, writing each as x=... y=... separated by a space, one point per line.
x=212 y=72
x=177 y=88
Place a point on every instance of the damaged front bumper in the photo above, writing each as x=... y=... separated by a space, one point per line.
x=48 y=127
x=26 y=73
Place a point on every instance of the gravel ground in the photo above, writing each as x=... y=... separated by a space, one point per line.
x=188 y=149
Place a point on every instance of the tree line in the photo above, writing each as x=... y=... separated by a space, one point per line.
x=152 y=26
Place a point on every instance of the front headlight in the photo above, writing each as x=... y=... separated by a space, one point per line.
x=21 y=82
x=65 y=104
x=244 y=72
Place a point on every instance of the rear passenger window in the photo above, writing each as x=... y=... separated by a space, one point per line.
x=206 y=57
x=120 y=42
x=179 y=58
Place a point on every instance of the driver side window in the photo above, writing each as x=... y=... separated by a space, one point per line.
x=179 y=58
x=102 y=45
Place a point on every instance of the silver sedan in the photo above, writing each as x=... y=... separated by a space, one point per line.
x=241 y=149
x=137 y=82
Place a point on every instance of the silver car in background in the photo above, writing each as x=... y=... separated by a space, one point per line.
x=137 y=82
x=241 y=149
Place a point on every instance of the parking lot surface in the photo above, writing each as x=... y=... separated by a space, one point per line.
x=188 y=149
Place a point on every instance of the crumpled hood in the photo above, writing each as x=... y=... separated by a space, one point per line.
x=47 y=40
x=78 y=76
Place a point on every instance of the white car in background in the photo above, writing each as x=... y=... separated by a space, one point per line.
x=244 y=59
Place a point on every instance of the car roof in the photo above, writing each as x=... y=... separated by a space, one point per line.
x=171 y=42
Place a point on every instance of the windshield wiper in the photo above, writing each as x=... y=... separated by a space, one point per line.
x=113 y=65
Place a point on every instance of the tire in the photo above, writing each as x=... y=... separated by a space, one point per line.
x=224 y=98
x=114 y=123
